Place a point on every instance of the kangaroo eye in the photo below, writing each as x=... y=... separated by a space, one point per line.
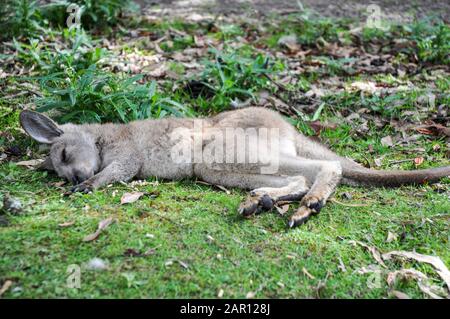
x=63 y=155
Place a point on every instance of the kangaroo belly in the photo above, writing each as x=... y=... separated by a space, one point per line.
x=164 y=168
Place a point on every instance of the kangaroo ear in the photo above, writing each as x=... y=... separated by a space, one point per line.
x=39 y=127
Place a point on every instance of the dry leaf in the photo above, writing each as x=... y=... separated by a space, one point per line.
x=283 y=209
x=130 y=197
x=319 y=126
x=342 y=265
x=369 y=87
x=66 y=224
x=97 y=264
x=168 y=263
x=149 y=252
x=391 y=237
x=30 y=163
x=387 y=141
x=435 y=261
x=183 y=264
x=418 y=161
x=250 y=295
x=422 y=281
x=101 y=226
x=400 y=295
x=6 y=285
x=307 y=273
x=433 y=129
x=224 y=189
x=220 y=293
x=375 y=253
x=377 y=162
x=289 y=42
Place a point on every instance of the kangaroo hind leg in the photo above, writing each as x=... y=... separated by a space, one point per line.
x=322 y=176
x=266 y=190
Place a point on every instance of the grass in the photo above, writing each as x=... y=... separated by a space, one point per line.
x=198 y=226
x=258 y=255
x=200 y=245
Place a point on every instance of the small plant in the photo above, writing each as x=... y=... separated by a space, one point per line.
x=94 y=96
x=436 y=47
x=236 y=75
x=94 y=14
x=18 y=18
x=337 y=66
x=77 y=53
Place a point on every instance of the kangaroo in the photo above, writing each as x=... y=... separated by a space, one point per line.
x=94 y=155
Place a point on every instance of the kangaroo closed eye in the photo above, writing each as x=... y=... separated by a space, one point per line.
x=63 y=156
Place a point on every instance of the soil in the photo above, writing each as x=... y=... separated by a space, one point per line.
x=390 y=9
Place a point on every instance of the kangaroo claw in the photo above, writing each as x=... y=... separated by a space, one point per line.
x=300 y=217
x=256 y=204
x=82 y=188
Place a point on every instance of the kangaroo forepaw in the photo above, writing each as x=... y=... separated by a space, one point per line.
x=300 y=217
x=82 y=188
x=256 y=204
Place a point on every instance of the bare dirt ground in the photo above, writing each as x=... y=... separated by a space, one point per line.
x=338 y=8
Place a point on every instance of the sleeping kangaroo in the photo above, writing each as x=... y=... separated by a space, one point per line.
x=95 y=155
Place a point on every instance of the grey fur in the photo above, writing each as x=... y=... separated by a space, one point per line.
x=96 y=155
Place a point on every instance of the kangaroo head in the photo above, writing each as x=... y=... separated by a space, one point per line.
x=73 y=154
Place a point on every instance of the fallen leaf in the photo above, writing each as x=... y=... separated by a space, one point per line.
x=375 y=253
x=319 y=126
x=183 y=264
x=58 y=184
x=387 y=141
x=433 y=129
x=435 y=261
x=220 y=293
x=224 y=189
x=342 y=265
x=97 y=264
x=391 y=237
x=400 y=295
x=377 y=162
x=149 y=252
x=12 y=205
x=283 y=209
x=305 y=271
x=422 y=281
x=101 y=226
x=6 y=285
x=128 y=198
x=30 y=163
x=369 y=87
x=289 y=42
x=418 y=161
x=250 y=295
x=66 y=224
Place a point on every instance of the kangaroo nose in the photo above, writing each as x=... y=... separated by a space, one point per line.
x=79 y=176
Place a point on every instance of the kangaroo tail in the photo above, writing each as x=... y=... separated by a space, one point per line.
x=357 y=175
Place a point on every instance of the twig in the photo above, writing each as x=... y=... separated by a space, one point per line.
x=348 y=205
x=281 y=86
